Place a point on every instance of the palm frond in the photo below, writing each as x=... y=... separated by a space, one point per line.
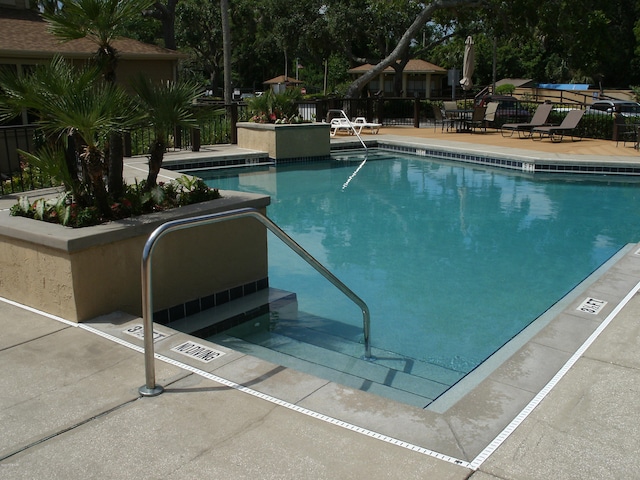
x=166 y=104
x=99 y=20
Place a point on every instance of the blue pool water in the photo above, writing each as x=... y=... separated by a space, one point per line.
x=453 y=260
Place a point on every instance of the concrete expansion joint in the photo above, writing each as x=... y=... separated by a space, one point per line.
x=68 y=429
x=32 y=339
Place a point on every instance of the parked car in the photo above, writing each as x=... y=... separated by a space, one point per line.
x=510 y=110
x=624 y=107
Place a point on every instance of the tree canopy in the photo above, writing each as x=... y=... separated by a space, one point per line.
x=555 y=41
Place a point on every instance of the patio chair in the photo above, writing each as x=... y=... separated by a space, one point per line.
x=489 y=117
x=361 y=122
x=477 y=119
x=627 y=132
x=449 y=109
x=490 y=114
x=450 y=105
x=557 y=132
x=539 y=119
x=441 y=119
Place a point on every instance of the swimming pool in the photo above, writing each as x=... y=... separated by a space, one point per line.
x=453 y=260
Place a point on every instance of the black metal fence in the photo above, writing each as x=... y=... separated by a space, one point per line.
x=15 y=176
x=217 y=125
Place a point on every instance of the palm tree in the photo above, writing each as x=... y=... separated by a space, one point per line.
x=102 y=22
x=72 y=104
x=166 y=105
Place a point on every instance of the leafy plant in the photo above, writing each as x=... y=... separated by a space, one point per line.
x=165 y=106
x=273 y=107
x=505 y=89
x=137 y=200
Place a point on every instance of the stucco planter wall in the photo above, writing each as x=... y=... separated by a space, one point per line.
x=79 y=274
x=284 y=141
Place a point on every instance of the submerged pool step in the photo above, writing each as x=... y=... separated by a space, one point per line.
x=268 y=325
x=344 y=369
x=317 y=332
x=339 y=360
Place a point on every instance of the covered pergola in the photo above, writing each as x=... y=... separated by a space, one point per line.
x=281 y=82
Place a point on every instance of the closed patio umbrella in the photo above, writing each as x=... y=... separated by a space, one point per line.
x=467 y=66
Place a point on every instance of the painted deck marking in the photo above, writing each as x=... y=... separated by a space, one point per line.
x=137 y=330
x=197 y=351
x=591 y=305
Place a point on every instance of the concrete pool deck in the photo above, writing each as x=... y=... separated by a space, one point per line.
x=70 y=408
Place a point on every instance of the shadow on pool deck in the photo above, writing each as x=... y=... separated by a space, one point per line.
x=70 y=405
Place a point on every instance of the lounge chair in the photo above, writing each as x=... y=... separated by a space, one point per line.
x=539 y=119
x=342 y=124
x=361 y=122
x=557 y=132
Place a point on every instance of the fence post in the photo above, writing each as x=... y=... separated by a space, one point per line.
x=177 y=138
x=370 y=111
x=195 y=139
x=321 y=110
x=381 y=110
x=126 y=144
x=416 y=112
x=234 y=124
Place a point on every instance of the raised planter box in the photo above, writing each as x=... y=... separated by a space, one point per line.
x=286 y=141
x=79 y=274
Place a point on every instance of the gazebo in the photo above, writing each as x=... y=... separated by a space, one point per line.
x=281 y=82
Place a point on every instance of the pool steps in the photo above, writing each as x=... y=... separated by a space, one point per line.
x=273 y=329
x=390 y=375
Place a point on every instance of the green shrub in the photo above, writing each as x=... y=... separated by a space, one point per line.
x=505 y=89
x=276 y=107
x=136 y=201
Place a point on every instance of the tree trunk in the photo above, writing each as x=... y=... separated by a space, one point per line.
x=167 y=16
x=155 y=163
x=95 y=170
x=226 y=49
x=426 y=13
x=116 y=165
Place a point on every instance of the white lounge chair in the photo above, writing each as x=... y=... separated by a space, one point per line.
x=342 y=124
x=361 y=122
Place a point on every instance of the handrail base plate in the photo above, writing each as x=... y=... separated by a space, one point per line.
x=150 y=392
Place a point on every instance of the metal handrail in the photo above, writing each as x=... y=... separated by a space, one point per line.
x=150 y=388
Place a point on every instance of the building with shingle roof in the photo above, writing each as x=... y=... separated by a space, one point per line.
x=25 y=40
x=419 y=79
